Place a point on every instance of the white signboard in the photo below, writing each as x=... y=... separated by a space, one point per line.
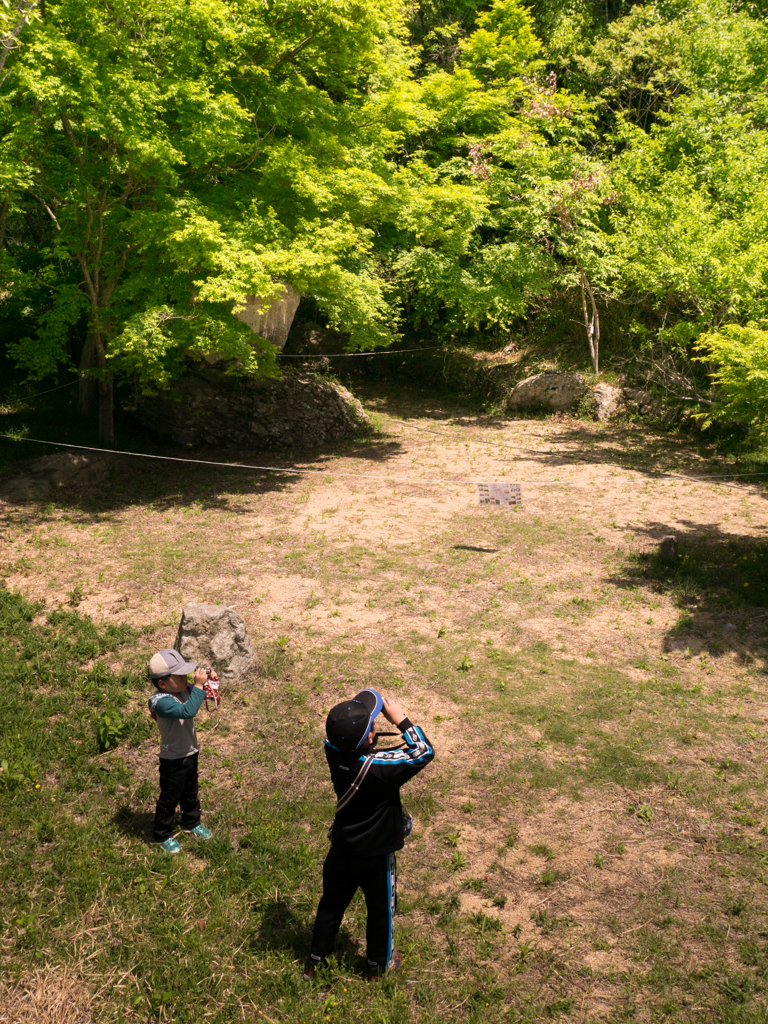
x=500 y=494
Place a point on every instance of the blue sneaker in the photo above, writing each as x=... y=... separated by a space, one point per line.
x=200 y=832
x=171 y=846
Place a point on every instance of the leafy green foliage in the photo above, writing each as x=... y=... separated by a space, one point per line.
x=741 y=355
x=439 y=168
x=109 y=730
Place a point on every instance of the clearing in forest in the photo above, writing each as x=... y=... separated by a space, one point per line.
x=590 y=842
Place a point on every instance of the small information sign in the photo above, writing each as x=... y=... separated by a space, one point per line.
x=500 y=494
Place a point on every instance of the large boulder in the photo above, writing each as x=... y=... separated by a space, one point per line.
x=607 y=400
x=554 y=391
x=62 y=469
x=209 y=407
x=216 y=635
x=274 y=323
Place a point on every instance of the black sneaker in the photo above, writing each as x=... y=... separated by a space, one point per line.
x=376 y=971
x=311 y=966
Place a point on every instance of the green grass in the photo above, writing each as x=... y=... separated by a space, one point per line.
x=74 y=840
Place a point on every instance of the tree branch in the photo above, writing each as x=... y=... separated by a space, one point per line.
x=8 y=44
x=290 y=54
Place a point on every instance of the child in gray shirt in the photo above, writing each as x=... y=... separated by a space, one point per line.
x=173 y=706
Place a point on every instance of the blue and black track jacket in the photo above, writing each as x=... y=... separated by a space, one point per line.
x=372 y=821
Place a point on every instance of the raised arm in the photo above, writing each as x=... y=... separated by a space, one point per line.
x=168 y=707
x=398 y=766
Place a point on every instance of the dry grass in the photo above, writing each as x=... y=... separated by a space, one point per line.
x=53 y=996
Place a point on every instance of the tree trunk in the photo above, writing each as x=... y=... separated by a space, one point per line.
x=106 y=390
x=106 y=409
x=87 y=386
x=591 y=322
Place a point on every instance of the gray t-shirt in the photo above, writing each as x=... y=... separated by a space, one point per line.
x=175 y=717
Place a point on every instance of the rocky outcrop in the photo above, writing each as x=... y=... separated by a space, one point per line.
x=554 y=391
x=607 y=399
x=214 y=634
x=639 y=402
x=208 y=407
x=63 y=469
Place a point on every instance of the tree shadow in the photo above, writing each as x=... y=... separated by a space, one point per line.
x=719 y=581
x=187 y=479
x=470 y=547
x=651 y=451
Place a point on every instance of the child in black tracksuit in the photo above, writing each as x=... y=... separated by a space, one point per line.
x=368 y=828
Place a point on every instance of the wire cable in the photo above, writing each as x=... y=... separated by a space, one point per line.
x=40 y=393
x=290 y=470
x=376 y=352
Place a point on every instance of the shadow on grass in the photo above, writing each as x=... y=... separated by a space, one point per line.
x=168 y=485
x=719 y=580
x=281 y=927
x=134 y=824
x=647 y=449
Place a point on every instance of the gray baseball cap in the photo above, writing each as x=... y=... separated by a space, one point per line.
x=169 y=663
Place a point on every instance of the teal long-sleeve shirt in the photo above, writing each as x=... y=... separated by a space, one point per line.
x=175 y=714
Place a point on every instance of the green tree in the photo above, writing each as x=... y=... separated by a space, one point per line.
x=477 y=134
x=189 y=153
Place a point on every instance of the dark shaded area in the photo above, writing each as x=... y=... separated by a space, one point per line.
x=720 y=582
x=134 y=824
x=469 y=547
x=281 y=927
x=645 y=448
x=166 y=484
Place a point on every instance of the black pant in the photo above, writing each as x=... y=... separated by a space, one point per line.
x=343 y=875
x=178 y=787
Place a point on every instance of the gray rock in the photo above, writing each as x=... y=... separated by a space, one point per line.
x=216 y=635
x=274 y=324
x=668 y=549
x=641 y=402
x=63 y=469
x=607 y=400
x=671 y=416
x=555 y=391
x=208 y=407
x=24 y=488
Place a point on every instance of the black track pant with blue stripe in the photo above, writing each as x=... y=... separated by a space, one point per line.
x=343 y=875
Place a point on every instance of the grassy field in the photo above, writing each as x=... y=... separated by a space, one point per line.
x=591 y=841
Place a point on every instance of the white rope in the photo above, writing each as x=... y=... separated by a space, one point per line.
x=358 y=476
x=277 y=469
x=40 y=393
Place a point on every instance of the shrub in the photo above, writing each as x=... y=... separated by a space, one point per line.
x=741 y=355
